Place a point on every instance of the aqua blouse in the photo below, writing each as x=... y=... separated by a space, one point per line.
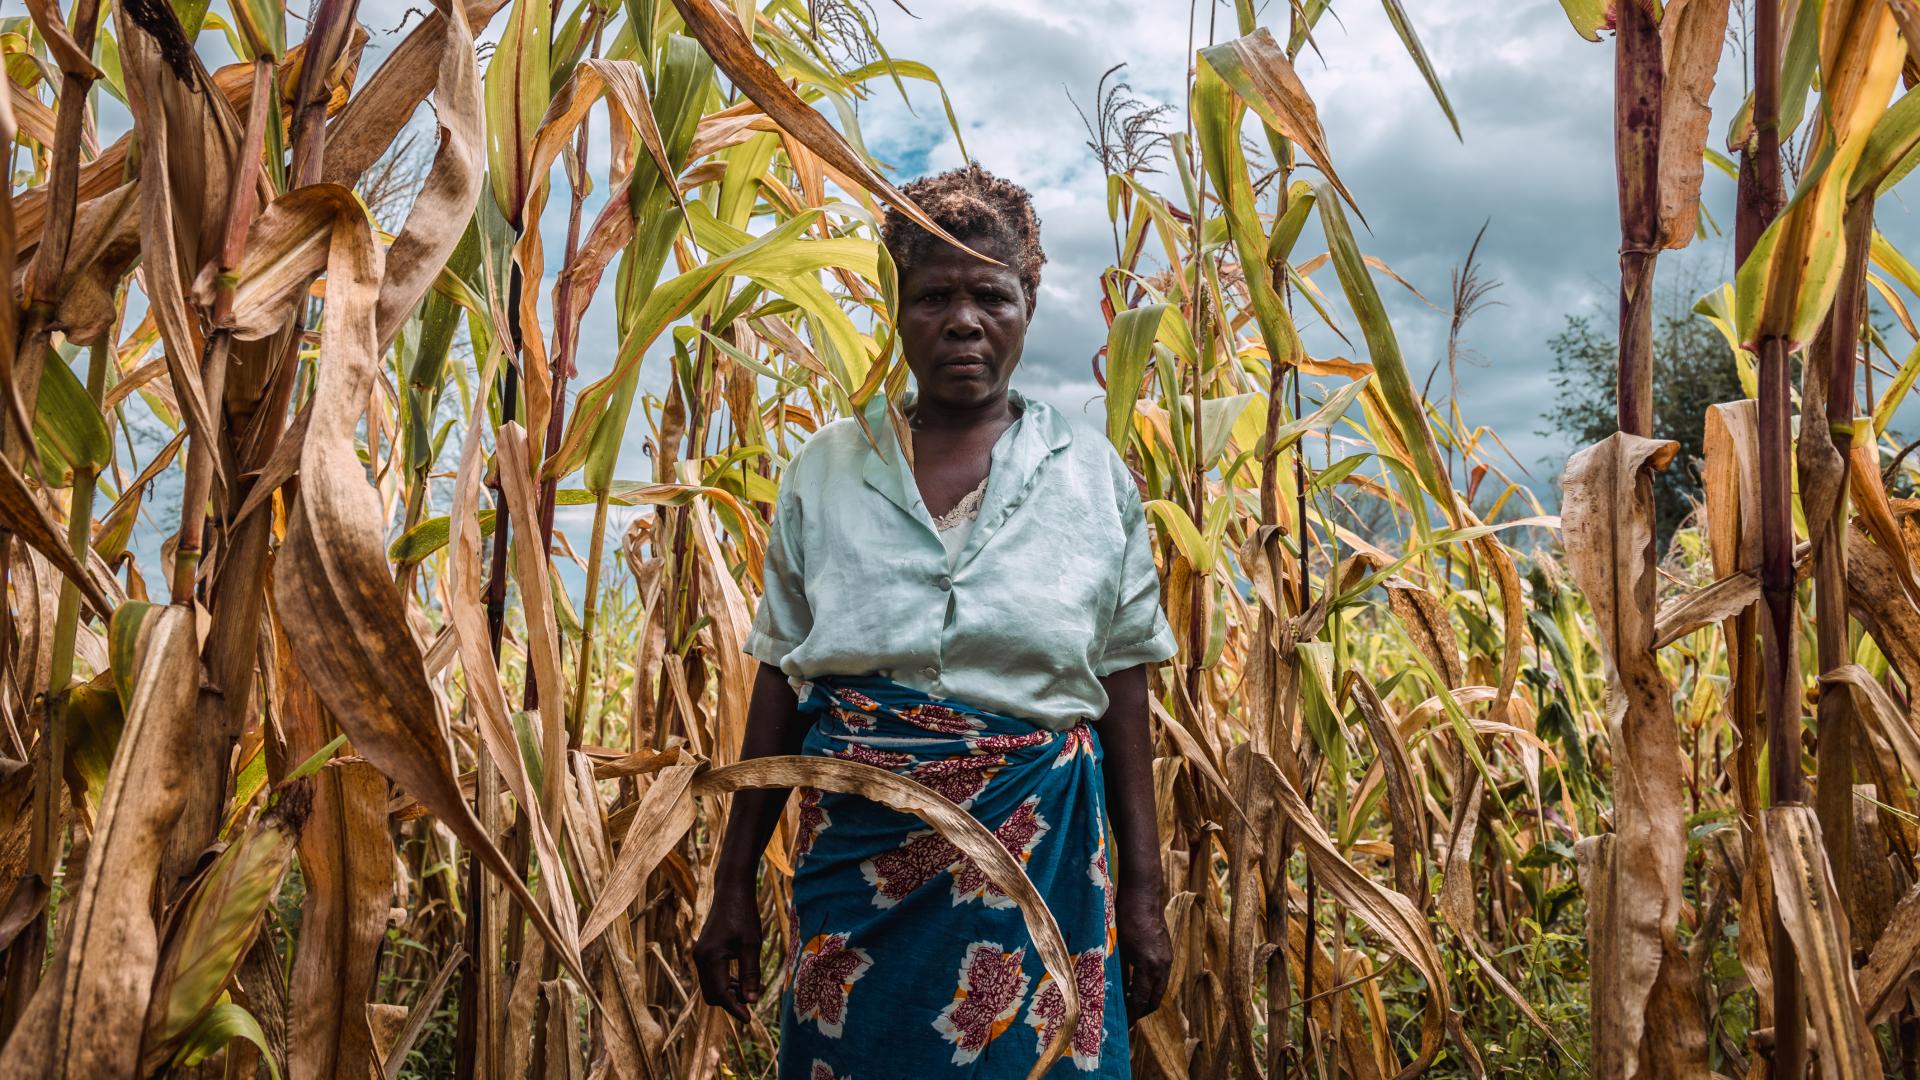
x=1054 y=587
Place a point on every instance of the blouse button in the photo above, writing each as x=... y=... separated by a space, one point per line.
x=945 y=583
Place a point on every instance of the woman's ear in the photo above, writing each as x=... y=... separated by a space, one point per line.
x=1033 y=297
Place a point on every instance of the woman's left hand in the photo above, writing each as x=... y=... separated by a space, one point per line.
x=1146 y=953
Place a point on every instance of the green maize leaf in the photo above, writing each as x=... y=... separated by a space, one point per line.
x=1286 y=231
x=734 y=459
x=224 y=1023
x=895 y=69
x=748 y=486
x=1882 y=253
x=67 y=426
x=518 y=83
x=1217 y=126
x=1129 y=342
x=247 y=783
x=426 y=375
x=1259 y=72
x=1787 y=283
x=107 y=59
x=123 y=644
x=1201 y=548
x=262 y=23
x=431 y=535
x=1798 y=61
x=193 y=15
x=1587 y=16
x=1403 y=26
x=1892 y=149
x=642 y=17
x=317 y=760
x=528 y=738
x=1168 y=228
x=570 y=45
x=806 y=256
x=1895 y=394
x=1321 y=418
x=746 y=166
x=1717 y=308
x=94 y=721
x=1216 y=635
x=1218 y=418
x=746 y=361
x=1383 y=347
x=663 y=306
x=1338 y=471
x=603 y=448
x=1186 y=537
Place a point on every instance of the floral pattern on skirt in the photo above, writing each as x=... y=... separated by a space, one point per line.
x=909 y=962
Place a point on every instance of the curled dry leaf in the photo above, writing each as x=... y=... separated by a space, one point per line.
x=189 y=142
x=333 y=571
x=377 y=114
x=1608 y=524
x=451 y=189
x=1426 y=622
x=23 y=515
x=1893 y=960
x=347 y=864
x=1876 y=597
x=1403 y=804
x=543 y=648
x=1705 y=606
x=1812 y=914
x=1692 y=36
x=730 y=49
x=1388 y=913
x=1897 y=726
x=106 y=965
x=664 y=815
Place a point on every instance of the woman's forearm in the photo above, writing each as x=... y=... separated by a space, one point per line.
x=774 y=726
x=1128 y=746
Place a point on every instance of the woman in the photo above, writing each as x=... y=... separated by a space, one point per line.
x=981 y=621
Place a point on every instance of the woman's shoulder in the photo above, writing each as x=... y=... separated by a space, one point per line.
x=1093 y=456
x=833 y=446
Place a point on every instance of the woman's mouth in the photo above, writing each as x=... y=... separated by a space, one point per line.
x=964 y=368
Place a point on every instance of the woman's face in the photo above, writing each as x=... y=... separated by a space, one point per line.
x=962 y=324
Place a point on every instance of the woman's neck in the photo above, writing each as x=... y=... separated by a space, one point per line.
x=998 y=412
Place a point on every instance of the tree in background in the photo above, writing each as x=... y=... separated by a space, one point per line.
x=1692 y=367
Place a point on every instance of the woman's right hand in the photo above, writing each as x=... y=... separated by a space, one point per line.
x=727 y=954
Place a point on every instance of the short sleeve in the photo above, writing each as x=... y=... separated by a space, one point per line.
x=782 y=619
x=1139 y=632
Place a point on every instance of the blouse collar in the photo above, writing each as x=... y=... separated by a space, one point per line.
x=1017 y=456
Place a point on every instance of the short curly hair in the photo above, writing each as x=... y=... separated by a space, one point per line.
x=972 y=204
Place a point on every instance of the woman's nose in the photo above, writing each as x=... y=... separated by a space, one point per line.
x=963 y=320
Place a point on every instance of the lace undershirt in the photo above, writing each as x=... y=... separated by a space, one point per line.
x=957 y=524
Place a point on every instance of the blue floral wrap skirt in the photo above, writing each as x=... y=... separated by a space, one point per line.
x=905 y=962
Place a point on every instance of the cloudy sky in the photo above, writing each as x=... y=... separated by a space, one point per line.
x=1534 y=162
